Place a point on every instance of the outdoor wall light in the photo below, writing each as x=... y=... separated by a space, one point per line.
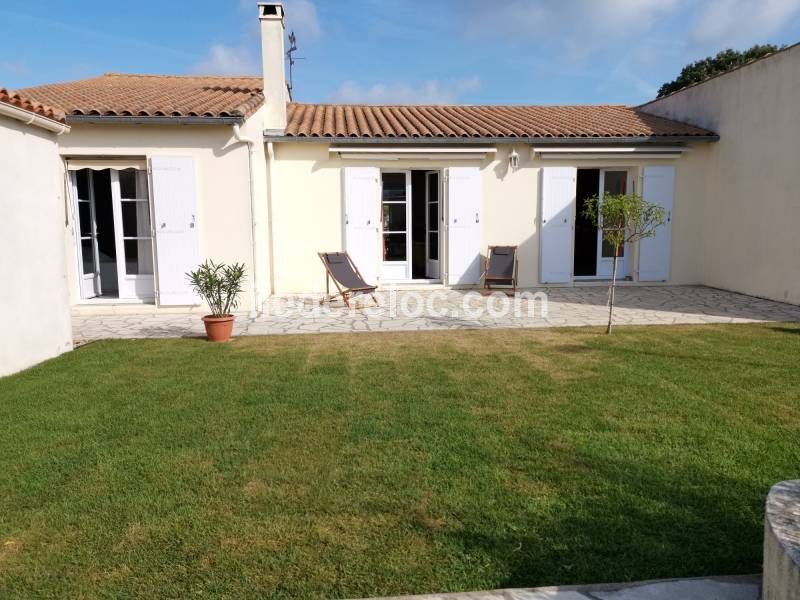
x=513 y=159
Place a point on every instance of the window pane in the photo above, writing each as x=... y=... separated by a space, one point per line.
x=85 y=219
x=608 y=250
x=433 y=246
x=82 y=177
x=615 y=182
x=394 y=217
x=138 y=257
x=394 y=187
x=433 y=188
x=127 y=183
x=87 y=257
x=394 y=247
x=433 y=217
x=135 y=219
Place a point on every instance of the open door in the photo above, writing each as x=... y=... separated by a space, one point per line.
x=612 y=181
x=658 y=186
x=85 y=223
x=433 y=216
x=463 y=235
x=558 y=201
x=175 y=217
x=362 y=219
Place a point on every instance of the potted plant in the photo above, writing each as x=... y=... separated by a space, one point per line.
x=219 y=285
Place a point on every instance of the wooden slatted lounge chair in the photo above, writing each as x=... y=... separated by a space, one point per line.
x=340 y=268
x=500 y=267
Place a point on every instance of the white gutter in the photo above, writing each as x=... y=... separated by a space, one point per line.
x=271 y=246
x=412 y=150
x=237 y=135
x=611 y=149
x=30 y=118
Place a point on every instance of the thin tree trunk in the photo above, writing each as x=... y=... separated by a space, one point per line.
x=612 y=290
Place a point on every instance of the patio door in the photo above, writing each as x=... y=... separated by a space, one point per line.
x=433 y=216
x=85 y=223
x=612 y=181
x=396 y=225
x=133 y=234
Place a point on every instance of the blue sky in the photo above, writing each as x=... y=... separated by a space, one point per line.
x=403 y=51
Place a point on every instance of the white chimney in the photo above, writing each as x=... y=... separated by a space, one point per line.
x=270 y=14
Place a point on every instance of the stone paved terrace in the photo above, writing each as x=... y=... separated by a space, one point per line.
x=745 y=587
x=450 y=309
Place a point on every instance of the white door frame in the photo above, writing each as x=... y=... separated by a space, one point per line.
x=432 y=266
x=89 y=283
x=395 y=270
x=605 y=264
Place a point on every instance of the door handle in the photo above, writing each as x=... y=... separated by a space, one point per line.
x=477 y=220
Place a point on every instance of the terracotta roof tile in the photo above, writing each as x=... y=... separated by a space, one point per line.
x=26 y=103
x=441 y=121
x=115 y=94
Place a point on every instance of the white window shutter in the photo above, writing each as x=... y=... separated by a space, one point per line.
x=463 y=235
x=176 y=227
x=658 y=185
x=557 y=237
x=362 y=219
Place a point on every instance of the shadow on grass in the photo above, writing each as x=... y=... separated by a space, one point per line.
x=634 y=522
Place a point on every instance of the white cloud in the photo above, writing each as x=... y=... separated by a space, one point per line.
x=227 y=60
x=301 y=17
x=14 y=67
x=429 y=92
x=738 y=23
x=574 y=22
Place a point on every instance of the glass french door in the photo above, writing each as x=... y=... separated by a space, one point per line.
x=125 y=217
x=612 y=181
x=86 y=225
x=395 y=225
x=133 y=233
x=433 y=217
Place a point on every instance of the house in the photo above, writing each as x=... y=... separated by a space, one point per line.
x=163 y=172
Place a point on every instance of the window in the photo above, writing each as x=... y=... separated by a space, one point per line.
x=394 y=210
x=614 y=182
x=136 y=228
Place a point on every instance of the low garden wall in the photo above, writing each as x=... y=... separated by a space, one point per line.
x=782 y=542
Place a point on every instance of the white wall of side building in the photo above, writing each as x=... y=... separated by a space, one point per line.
x=751 y=180
x=34 y=300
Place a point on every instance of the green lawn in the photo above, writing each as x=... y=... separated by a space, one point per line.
x=368 y=464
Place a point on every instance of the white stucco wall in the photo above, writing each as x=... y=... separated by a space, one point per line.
x=34 y=302
x=750 y=231
x=223 y=186
x=307 y=209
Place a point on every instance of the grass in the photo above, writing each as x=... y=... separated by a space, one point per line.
x=369 y=464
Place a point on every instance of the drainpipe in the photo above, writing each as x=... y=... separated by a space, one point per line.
x=271 y=159
x=237 y=135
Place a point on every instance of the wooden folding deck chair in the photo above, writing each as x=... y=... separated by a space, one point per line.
x=500 y=267
x=345 y=275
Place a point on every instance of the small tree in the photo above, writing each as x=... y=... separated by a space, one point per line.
x=622 y=219
x=219 y=285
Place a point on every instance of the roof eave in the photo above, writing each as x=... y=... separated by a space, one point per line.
x=468 y=141
x=155 y=120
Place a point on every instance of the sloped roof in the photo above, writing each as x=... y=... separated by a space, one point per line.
x=117 y=94
x=20 y=101
x=442 y=121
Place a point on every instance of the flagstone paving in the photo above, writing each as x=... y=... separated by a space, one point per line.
x=414 y=310
x=710 y=588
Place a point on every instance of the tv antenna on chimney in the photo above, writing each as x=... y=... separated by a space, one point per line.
x=292 y=58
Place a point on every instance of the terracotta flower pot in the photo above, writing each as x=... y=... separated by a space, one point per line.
x=218 y=329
